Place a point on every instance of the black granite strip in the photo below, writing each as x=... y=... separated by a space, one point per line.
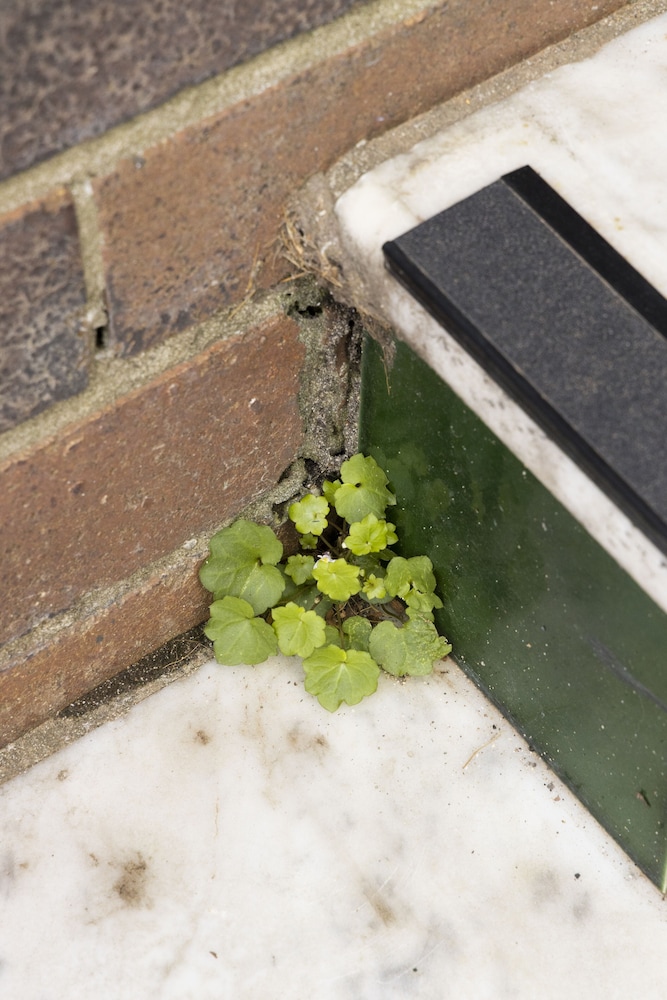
x=562 y=322
x=588 y=243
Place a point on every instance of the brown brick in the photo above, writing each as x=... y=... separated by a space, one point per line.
x=184 y=228
x=134 y=482
x=43 y=676
x=43 y=350
x=70 y=70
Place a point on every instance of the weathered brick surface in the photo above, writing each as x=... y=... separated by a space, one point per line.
x=132 y=483
x=70 y=69
x=37 y=681
x=184 y=227
x=43 y=350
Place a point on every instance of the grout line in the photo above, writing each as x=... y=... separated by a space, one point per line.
x=90 y=243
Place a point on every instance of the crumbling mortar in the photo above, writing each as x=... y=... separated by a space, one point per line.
x=328 y=397
x=329 y=392
x=328 y=402
x=90 y=245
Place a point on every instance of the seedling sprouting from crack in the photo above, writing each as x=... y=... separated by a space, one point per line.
x=344 y=602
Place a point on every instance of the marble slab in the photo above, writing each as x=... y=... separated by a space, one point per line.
x=596 y=131
x=228 y=838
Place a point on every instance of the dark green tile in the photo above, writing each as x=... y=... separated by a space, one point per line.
x=541 y=617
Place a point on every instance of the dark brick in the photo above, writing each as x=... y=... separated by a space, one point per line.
x=184 y=232
x=43 y=350
x=132 y=483
x=71 y=69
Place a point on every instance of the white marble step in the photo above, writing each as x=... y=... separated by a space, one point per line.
x=231 y=840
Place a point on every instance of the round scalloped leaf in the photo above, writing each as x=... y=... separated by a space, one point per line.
x=300 y=568
x=420 y=603
x=239 y=637
x=335 y=675
x=411 y=649
x=242 y=564
x=364 y=490
x=421 y=574
x=374 y=588
x=371 y=534
x=308 y=541
x=299 y=631
x=337 y=578
x=309 y=515
x=402 y=574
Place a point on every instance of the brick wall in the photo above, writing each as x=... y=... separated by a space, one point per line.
x=161 y=366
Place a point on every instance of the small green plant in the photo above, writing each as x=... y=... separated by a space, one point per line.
x=344 y=603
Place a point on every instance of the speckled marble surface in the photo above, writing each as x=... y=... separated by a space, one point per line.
x=230 y=839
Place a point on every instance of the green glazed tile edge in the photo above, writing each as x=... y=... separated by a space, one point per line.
x=540 y=616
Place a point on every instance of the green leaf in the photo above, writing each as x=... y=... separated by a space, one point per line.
x=299 y=632
x=374 y=588
x=337 y=578
x=372 y=534
x=422 y=603
x=309 y=515
x=397 y=578
x=364 y=490
x=329 y=489
x=300 y=568
x=336 y=675
x=404 y=573
x=358 y=630
x=421 y=574
x=411 y=649
x=239 y=637
x=242 y=564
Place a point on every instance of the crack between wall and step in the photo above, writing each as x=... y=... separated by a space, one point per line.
x=310 y=233
x=328 y=403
